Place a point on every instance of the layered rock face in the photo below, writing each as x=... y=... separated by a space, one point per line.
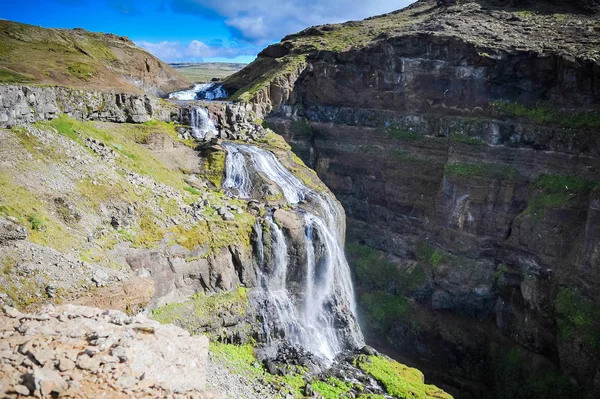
x=463 y=143
x=28 y=104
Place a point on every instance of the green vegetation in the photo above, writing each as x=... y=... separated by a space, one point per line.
x=546 y=114
x=125 y=139
x=375 y=272
x=383 y=309
x=215 y=167
x=555 y=191
x=21 y=203
x=68 y=58
x=206 y=71
x=399 y=380
x=464 y=139
x=578 y=316
x=491 y=171
x=81 y=70
x=274 y=140
x=331 y=388
x=8 y=76
x=513 y=379
x=403 y=134
x=241 y=360
x=203 y=311
x=282 y=69
x=432 y=256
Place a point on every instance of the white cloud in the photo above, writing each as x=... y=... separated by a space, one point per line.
x=263 y=21
x=194 y=51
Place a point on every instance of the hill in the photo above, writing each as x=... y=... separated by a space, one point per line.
x=78 y=58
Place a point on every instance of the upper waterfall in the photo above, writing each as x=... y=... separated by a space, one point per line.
x=201 y=123
x=200 y=91
x=309 y=304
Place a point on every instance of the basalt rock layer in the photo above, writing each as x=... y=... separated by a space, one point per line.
x=463 y=143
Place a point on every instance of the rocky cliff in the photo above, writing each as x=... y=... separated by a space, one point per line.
x=78 y=58
x=463 y=142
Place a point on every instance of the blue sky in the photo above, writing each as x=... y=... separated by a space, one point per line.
x=195 y=30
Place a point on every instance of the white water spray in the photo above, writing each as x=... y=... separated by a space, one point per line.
x=201 y=123
x=311 y=321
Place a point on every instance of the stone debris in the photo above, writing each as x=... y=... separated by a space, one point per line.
x=76 y=351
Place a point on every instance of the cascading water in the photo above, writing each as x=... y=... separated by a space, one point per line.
x=201 y=91
x=201 y=123
x=320 y=318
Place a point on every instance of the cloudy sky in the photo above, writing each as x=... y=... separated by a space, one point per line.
x=195 y=30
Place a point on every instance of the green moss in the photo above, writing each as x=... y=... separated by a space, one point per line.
x=188 y=314
x=382 y=310
x=555 y=191
x=578 y=316
x=214 y=167
x=403 y=134
x=546 y=114
x=81 y=70
x=274 y=140
x=331 y=388
x=399 y=380
x=241 y=360
x=492 y=171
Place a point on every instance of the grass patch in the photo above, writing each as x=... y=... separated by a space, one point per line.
x=8 y=76
x=81 y=70
x=490 y=171
x=31 y=211
x=399 y=380
x=546 y=114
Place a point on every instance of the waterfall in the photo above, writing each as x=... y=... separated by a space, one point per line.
x=200 y=91
x=320 y=314
x=201 y=123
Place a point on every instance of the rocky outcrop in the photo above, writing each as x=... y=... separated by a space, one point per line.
x=462 y=142
x=11 y=231
x=72 y=351
x=28 y=104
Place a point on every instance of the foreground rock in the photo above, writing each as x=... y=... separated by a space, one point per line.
x=74 y=351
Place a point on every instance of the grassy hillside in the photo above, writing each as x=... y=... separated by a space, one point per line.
x=31 y=54
x=206 y=71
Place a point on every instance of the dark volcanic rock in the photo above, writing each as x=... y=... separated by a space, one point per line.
x=463 y=143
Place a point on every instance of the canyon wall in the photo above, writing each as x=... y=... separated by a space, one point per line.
x=463 y=143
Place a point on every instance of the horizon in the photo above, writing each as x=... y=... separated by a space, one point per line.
x=232 y=32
